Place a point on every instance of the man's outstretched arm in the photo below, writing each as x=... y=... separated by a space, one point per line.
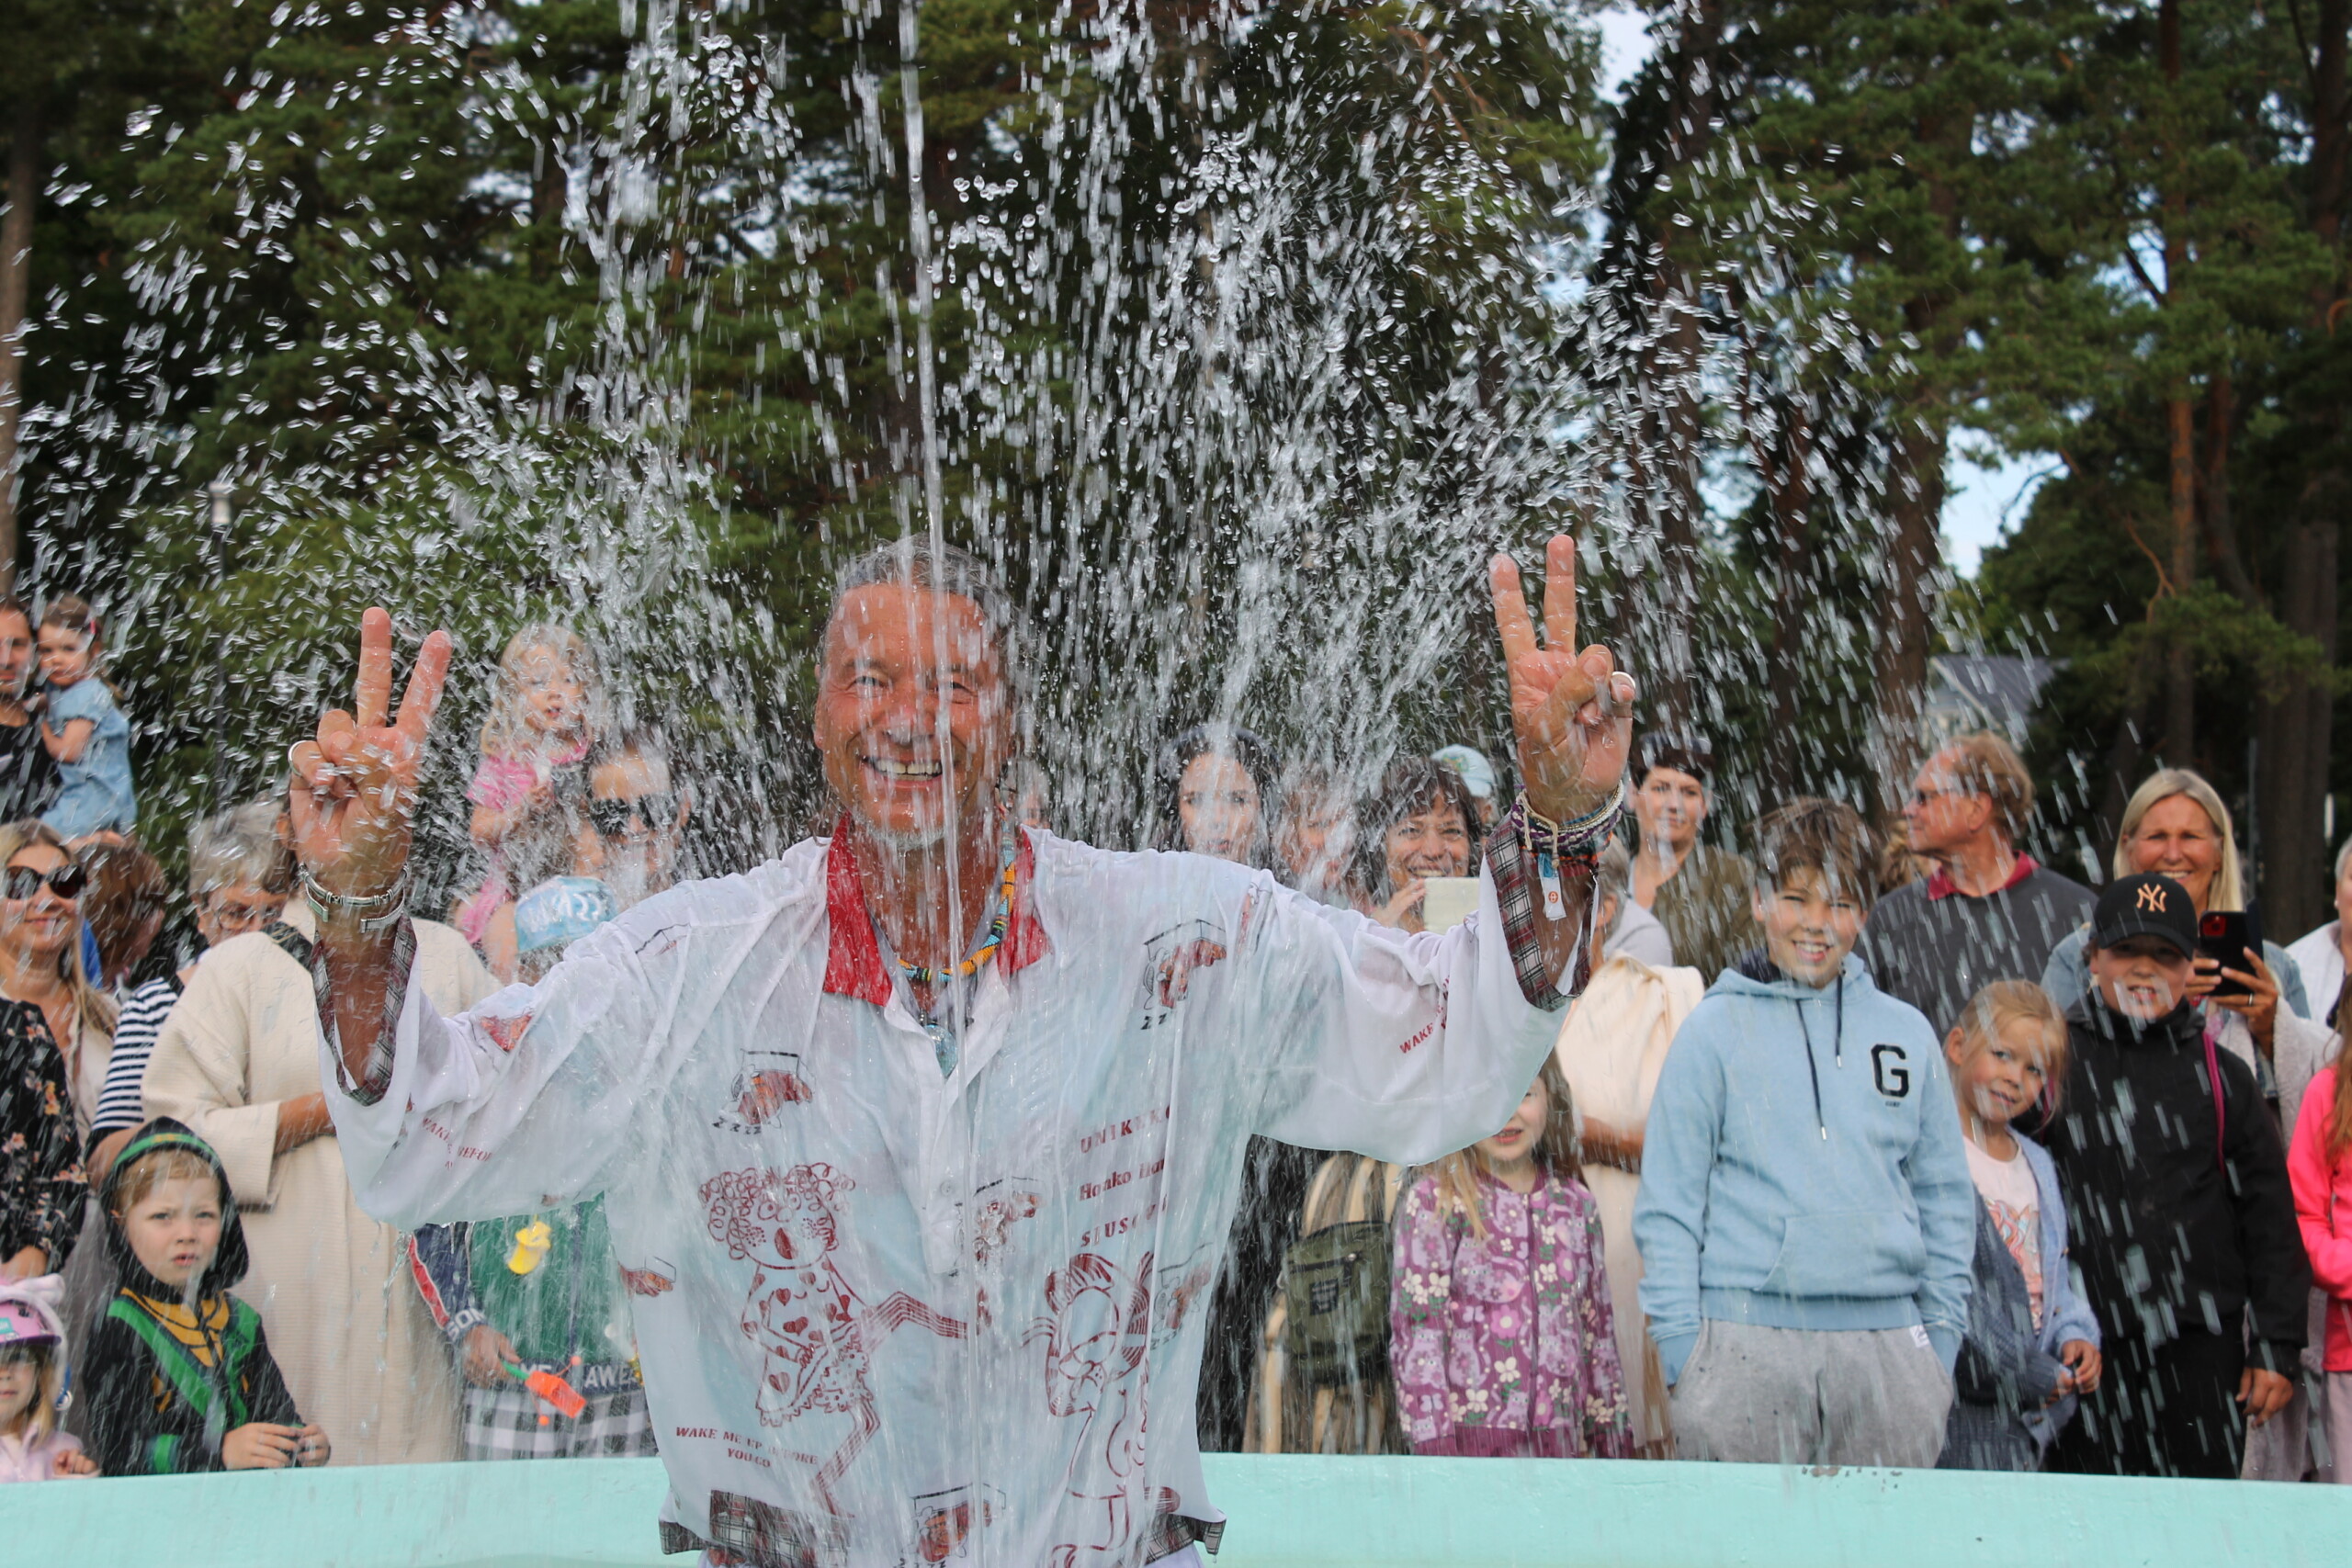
x=352 y=800
x=527 y=1098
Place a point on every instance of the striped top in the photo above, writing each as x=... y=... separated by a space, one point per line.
x=119 y=1106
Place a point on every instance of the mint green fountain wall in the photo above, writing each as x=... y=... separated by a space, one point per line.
x=1301 y=1512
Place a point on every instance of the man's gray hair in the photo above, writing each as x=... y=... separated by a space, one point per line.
x=240 y=845
x=909 y=559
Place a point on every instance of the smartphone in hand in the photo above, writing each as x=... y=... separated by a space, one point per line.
x=2227 y=935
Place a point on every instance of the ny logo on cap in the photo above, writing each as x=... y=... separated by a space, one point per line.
x=2152 y=897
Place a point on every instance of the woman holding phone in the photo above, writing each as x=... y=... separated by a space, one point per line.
x=2176 y=825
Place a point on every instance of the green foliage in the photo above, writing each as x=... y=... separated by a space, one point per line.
x=607 y=312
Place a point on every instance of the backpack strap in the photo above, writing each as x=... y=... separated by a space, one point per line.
x=297 y=945
x=1360 y=1185
x=1314 y=1213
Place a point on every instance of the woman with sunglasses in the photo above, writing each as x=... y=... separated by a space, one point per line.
x=41 y=1144
x=41 y=951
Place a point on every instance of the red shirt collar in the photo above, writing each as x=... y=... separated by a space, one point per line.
x=1941 y=886
x=854 y=966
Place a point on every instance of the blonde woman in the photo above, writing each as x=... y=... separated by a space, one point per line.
x=40 y=952
x=2175 y=825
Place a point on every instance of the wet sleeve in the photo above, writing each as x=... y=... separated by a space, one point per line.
x=1405 y=1047
x=2000 y=1362
x=2292 y=991
x=2067 y=976
x=1420 y=1284
x=440 y=1259
x=2298 y=1047
x=2063 y=1298
x=2310 y=1173
x=2278 y=1277
x=1946 y=1202
x=530 y=1099
x=268 y=1398
x=1679 y=1145
x=121 y=1105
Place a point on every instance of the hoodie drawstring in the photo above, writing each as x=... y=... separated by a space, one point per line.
x=1837 y=1047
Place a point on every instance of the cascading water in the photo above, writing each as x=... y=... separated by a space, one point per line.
x=1237 y=336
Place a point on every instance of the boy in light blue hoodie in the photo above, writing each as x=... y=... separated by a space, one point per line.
x=1806 y=1221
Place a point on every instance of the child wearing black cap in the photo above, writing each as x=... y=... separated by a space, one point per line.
x=181 y=1376
x=2178 y=1200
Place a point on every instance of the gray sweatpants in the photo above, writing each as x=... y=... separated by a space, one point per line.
x=1751 y=1395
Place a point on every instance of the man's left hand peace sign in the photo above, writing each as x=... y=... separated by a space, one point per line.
x=1572 y=711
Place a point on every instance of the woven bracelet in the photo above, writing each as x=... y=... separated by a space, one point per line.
x=1578 y=841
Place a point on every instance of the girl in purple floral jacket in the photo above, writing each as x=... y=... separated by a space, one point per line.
x=1501 y=1338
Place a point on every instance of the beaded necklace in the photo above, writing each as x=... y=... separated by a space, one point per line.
x=923 y=974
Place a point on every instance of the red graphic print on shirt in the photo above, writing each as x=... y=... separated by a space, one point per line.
x=506 y=1033
x=815 y=1330
x=1096 y=1344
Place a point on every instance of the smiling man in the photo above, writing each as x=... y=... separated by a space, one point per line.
x=1988 y=912
x=919 y=1144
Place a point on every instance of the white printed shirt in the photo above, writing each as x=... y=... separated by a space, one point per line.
x=889 y=1317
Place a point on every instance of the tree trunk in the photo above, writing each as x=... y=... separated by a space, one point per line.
x=1914 y=535
x=16 y=277
x=1672 y=437
x=2127 y=754
x=2181 y=414
x=1672 y=421
x=2297 y=732
x=2220 y=524
x=1914 y=553
x=2180 y=679
x=1790 y=479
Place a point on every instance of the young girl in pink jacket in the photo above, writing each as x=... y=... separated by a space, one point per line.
x=2318 y=1164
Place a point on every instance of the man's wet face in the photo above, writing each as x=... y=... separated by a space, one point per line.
x=882 y=688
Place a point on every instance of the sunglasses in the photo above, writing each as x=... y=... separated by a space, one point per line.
x=612 y=818
x=67 y=882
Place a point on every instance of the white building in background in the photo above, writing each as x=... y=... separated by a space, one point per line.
x=1968 y=692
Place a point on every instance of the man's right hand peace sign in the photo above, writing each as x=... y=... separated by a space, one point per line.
x=354 y=794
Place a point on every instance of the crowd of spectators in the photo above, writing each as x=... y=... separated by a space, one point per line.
x=1798 y=1125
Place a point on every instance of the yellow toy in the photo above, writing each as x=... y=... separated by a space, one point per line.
x=531 y=1243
